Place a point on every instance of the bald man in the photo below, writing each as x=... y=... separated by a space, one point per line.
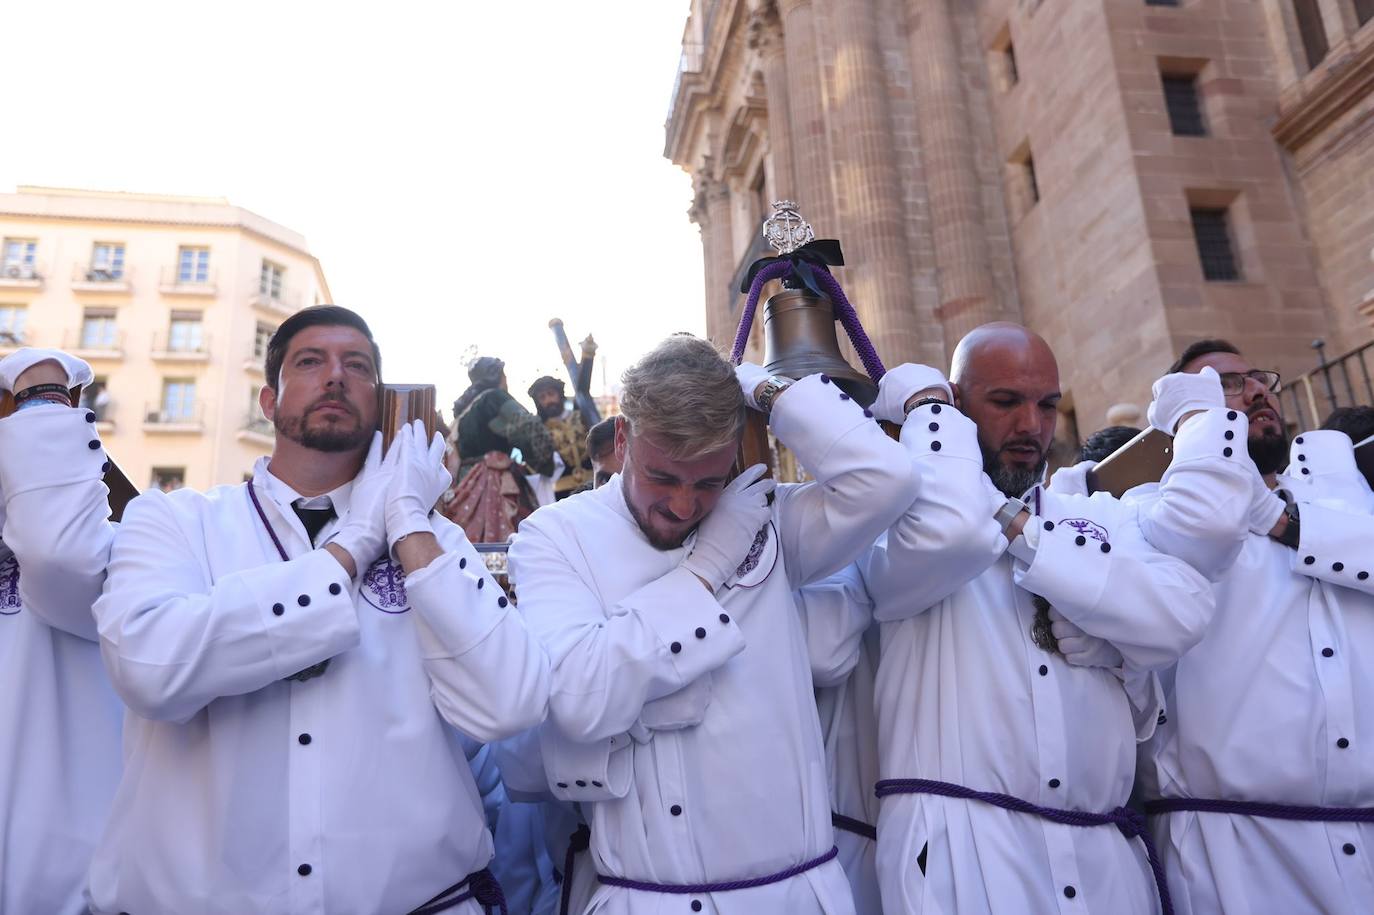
x=1019 y=631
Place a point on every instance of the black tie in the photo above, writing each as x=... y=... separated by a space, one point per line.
x=314 y=519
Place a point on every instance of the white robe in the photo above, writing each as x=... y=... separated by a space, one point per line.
x=224 y=803
x=964 y=695
x=59 y=717
x=838 y=616
x=684 y=721
x=1257 y=710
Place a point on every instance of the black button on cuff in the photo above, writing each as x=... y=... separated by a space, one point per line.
x=1298 y=439
x=93 y=444
x=1338 y=567
x=304 y=740
x=105 y=467
x=1230 y=414
x=675 y=647
x=1080 y=540
x=934 y=446
x=725 y=617
x=868 y=413
x=1226 y=452
x=562 y=784
x=675 y=810
x=1229 y=435
x=825 y=379
x=502 y=602
x=1106 y=547
x=1049 y=525
x=597 y=784
x=1327 y=652
x=934 y=427
x=90 y=417
x=1362 y=576
x=935 y=408
x=480 y=582
x=1305 y=471
x=1054 y=783
x=335 y=588
x=1044 y=671
x=1348 y=848
x=303 y=600
x=700 y=633
x=304 y=870
x=278 y=609
x=1308 y=560
x=462 y=562
x=843 y=396
x=581 y=783
x=1343 y=743
x=1070 y=892
x=696 y=905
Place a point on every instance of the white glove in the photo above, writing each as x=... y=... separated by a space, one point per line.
x=1180 y=393
x=1073 y=480
x=750 y=377
x=1079 y=648
x=420 y=478
x=79 y=373
x=1265 y=506
x=899 y=383
x=363 y=533
x=727 y=533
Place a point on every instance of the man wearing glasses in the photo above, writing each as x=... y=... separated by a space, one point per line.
x=1266 y=754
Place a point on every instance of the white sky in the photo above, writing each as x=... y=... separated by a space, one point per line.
x=464 y=170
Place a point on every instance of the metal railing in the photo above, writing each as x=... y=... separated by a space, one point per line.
x=80 y=341
x=101 y=276
x=1346 y=381
x=172 y=279
x=18 y=271
x=162 y=347
x=156 y=414
x=256 y=422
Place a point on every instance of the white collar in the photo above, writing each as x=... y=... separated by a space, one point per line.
x=284 y=496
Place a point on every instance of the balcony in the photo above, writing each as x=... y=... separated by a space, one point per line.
x=20 y=276
x=1346 y=381
x=165 y=350
x=285 y=303
x=101 y=279
x=93 y=347
x=157 y=419
x=254 y=361
x=257 y=430
x=11 y=341
x=174 y=282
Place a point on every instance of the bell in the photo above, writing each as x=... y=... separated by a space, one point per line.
x=799 y=339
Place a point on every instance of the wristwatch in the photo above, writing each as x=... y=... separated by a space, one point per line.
x=1007 y=514
x=1292 y=530
x=770 y=390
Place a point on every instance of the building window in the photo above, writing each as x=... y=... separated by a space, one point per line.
x=96 y=398
x=107 y=262
x=18 y=263
x=1364 y=11
x=1214 y=244
x=184 y=334
x=168 y=479
x=269 y=281
x=98 y=330
x=1009 y=61
x=1003 y=60
x=1185 y=108
x=178 y=400
x=193 y=265
x=262 y=336
x=1312 y=30
x=12 y=321
x=256 y=421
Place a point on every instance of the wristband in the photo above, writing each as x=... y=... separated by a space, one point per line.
x=1007 y=514
x=1293 y=529
x=46 y=391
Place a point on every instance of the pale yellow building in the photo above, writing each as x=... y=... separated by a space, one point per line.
x=172 y=301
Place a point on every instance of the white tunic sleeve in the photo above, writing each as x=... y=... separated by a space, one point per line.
x=1335 y=546
x=1113 y=585
x=948 y=535
x=490 y=675
x=57 y=510
x=863 y=480
x=835 y=614
x=1202 y=507
x=173 y=642
x=608 y=662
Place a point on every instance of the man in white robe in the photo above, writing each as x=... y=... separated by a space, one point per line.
x=300 y=684
x=682 y=713
x=59 y=718
x=1273 y=706
x=1020 y=627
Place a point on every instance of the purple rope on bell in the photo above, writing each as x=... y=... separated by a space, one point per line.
x=1129 y=822
x=848 y=317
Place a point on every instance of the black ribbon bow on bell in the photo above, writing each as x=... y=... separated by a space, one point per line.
x=823 y=253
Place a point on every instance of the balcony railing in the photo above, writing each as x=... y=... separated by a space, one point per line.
x=258 y=424
x=183 y=350
x=157 y=418
x=174 y=282
x=285 y=302
x=693 y=59
x=91 y=346
x=1346 y=381
x=101 y=279
x=20 y=276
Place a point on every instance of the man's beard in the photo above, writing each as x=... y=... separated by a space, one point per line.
x=1012 y=482
x=328 y=440
x=550 y=411
x=656 y=540
x=1269 y=452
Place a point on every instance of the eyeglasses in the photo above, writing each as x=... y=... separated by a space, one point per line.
x=1234 y=382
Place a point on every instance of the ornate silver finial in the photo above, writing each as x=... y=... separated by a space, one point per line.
x=785 y=230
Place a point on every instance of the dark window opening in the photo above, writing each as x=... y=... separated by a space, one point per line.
x=1312 y=30
x=1184 y=105
x=1214 y=244
x=1364 y=11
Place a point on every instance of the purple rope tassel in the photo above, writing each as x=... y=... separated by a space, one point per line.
x=848 y=317
x=1130 y=823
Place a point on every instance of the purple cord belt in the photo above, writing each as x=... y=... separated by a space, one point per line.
x=481 y=886
x=1261 y=809
x=1129 y=822
x=578 y=842
x=683 y=889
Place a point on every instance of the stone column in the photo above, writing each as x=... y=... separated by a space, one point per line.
x=711 y=211
x=967 y=295
x=810 y=148
x=869 y=185
x=765 y=38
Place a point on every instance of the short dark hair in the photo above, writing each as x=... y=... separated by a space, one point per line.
x=315 y=316
x=1105 y=441
x=1202 y=348
x=1356 y=422
x=601 y=437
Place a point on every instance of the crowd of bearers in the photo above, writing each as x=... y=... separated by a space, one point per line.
x=928 y=680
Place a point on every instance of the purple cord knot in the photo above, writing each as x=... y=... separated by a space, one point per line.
x=1131 y=822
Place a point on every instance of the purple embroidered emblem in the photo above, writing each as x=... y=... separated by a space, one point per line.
x=1087 y=528
x=387 y=581
x=9 y=587
x=751 y=561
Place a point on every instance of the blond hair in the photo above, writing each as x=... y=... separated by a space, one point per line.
x=683 y=394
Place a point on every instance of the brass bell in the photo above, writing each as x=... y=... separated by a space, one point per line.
x=799 y=339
